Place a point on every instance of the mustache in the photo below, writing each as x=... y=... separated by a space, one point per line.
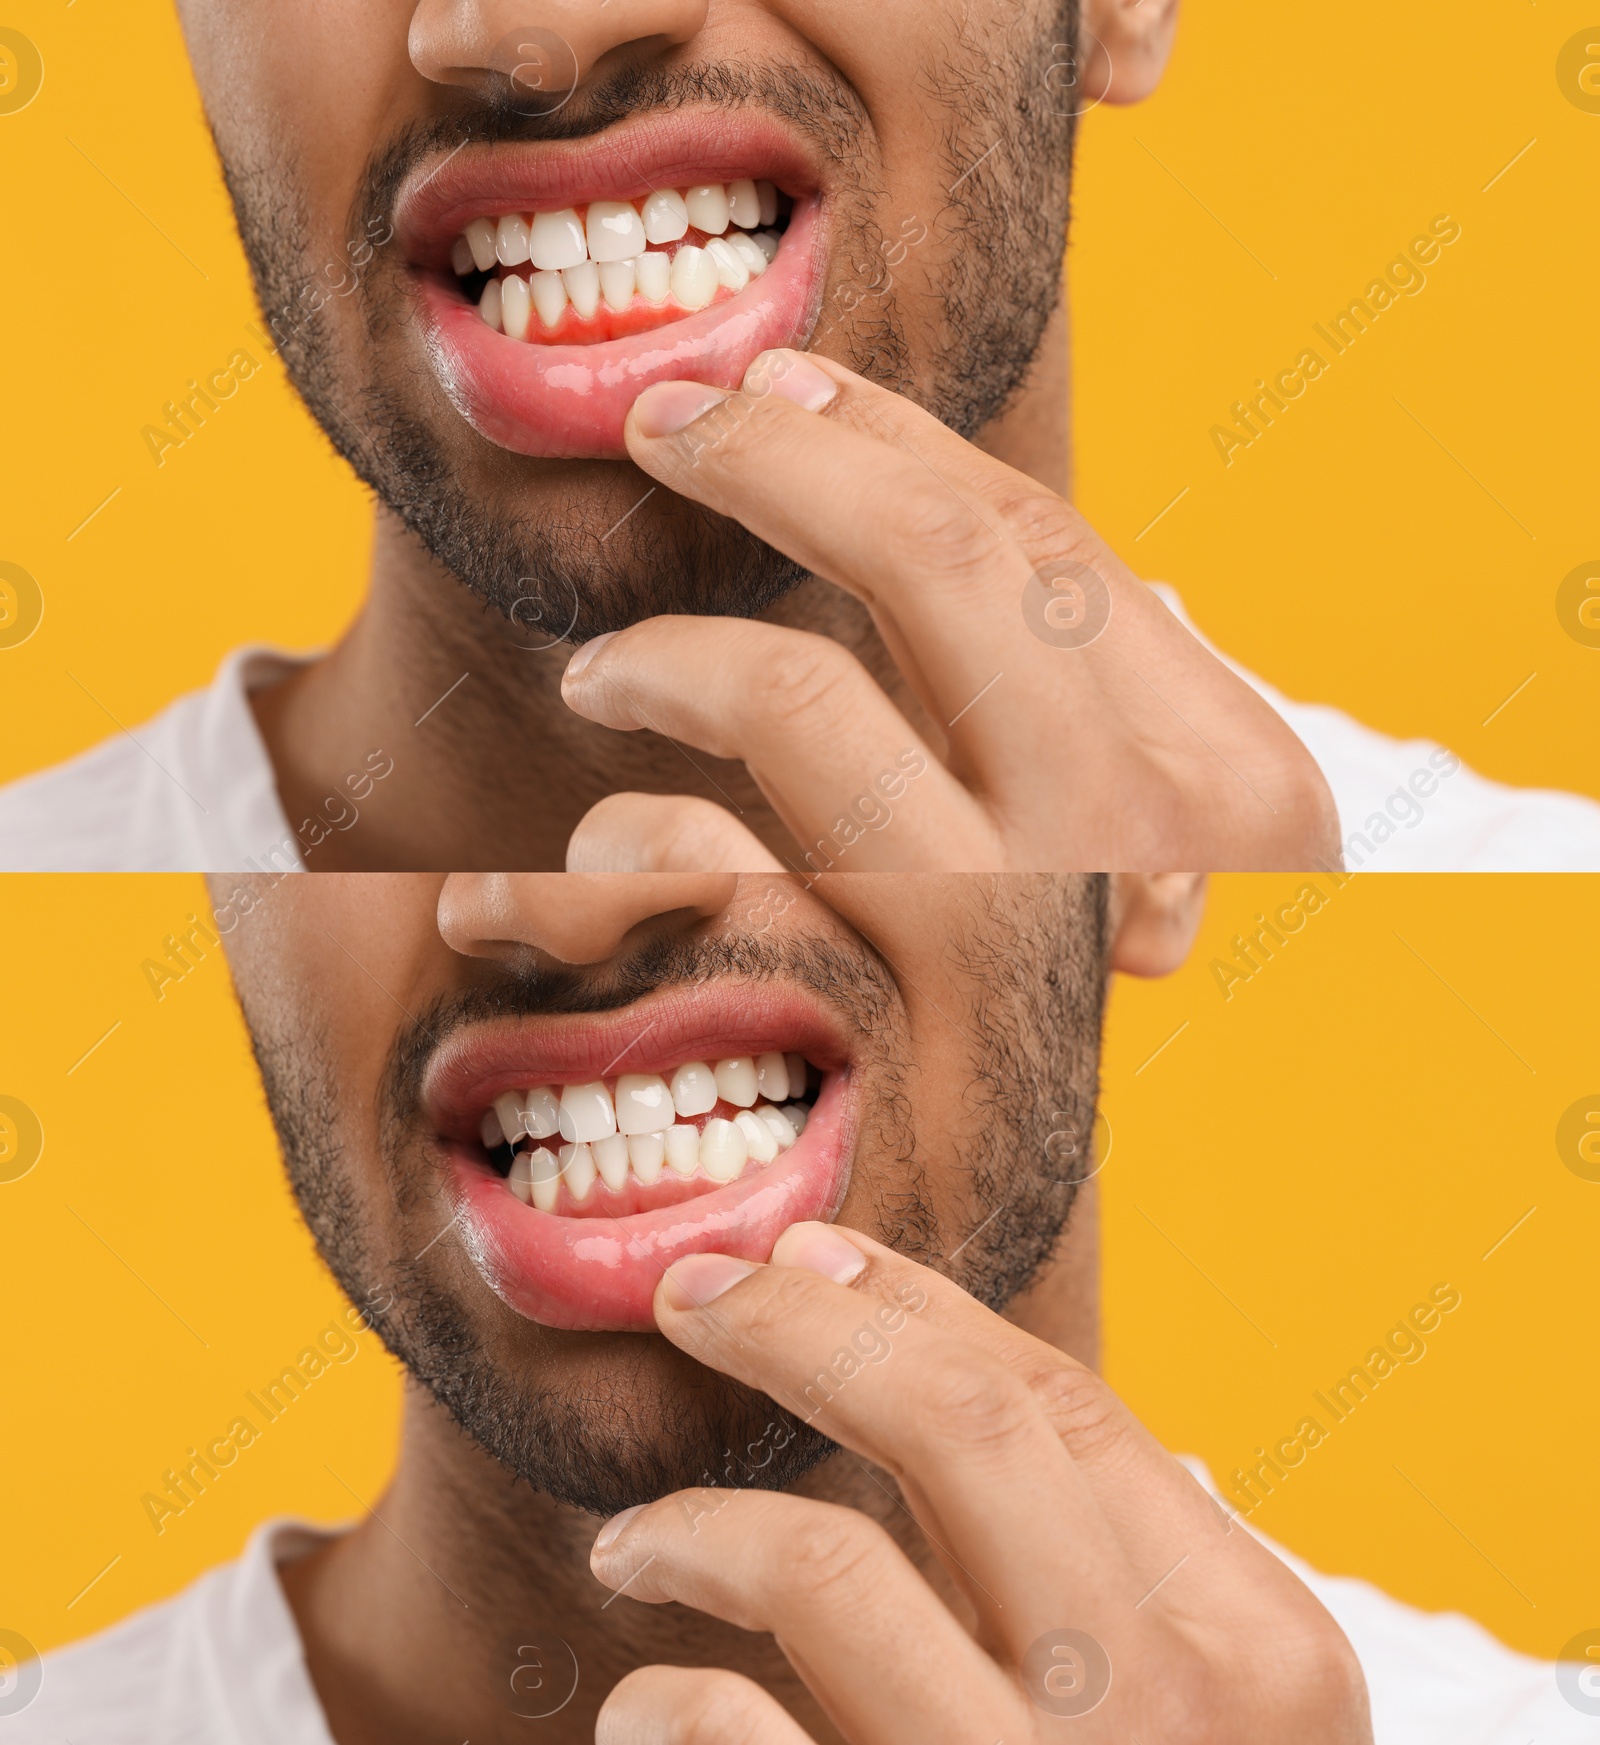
x=855 y=982
x=825 y=108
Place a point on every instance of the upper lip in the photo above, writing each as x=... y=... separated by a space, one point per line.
x=711 y=1021
x=625 y=162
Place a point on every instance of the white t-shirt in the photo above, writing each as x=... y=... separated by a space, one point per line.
x=193 y=791
x=222 y=1664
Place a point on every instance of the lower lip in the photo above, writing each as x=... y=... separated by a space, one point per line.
x=570 y=402
x=595 y=1275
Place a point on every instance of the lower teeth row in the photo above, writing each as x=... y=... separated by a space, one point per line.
x=691 y=277
x=718 y=1152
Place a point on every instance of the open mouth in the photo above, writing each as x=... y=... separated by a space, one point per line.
x=557 y=282
x=577 y=1185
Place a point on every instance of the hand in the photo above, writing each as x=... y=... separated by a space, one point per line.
x=1100 y=1581
x=1072 y=723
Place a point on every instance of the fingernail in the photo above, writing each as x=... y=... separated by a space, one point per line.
x=669 y=407
x=791 y=377
x=819 y=1248
x=586 y=654
x=607 y=1535
x=699 y=1279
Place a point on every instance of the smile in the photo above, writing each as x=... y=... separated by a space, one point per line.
x=576 y=1187
x=556 y=283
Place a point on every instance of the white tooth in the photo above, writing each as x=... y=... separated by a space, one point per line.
x=666 y=217
x=617 y=281
x=798 y=1114
x=796 y=1064
x=490 y=1131
x=583 y=287
x=782 y=1127
x=647 y=1152
x=615 y=230
x=508 y=1112
x=767 y=241
x=556 y=240
x=723 y=1150
x=511 y=240
x=644 y=1104
x=682 y=1147
x=546 y=1180
x=760 y=1141
x=541 y=1113
x=772 y=1077
x=489 y=304
x=750 y=252
x=611 y=1159
x=480 y=234
x=654 y=272
x=731 y=271
x=520 y=1181
x=767 y=194
x=694 y=277
x=549 y=293
x=577 y=1170
x=694 y=1089
x=461 y=261
x=708 y=208
x=736 y=1081
x=587 y=1112
x=515 y=309
x=744 y=204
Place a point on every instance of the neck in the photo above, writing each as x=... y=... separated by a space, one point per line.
x=429 y=678
x=415 y=1622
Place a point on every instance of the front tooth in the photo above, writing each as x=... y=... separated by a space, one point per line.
x=665 y=217
x=767 y=241
x=797 y=1113
x=796 y=1064
x=694 y=277
x=723 y=1150
x=583 y=287
x=587 y=1112
x=744 y=204
x=760 y=1141
x=654 y=273
x=707 y=207
x=647 y=1153
x=644 y=1104
x=490 y=1131
x=617 y=282
x=782 y=1127
x=461 y=261
x=682 y=1147
x=767 y=194
x=508 y=1112
x=541 y=1113
x=511 y=236
x=489 y=304
x=549 y=293
x=515 y=308
x=736 y=1081
x=750 y=252
x=480 y=235
x=731 y=271
x=556 y=240
x=694 y=1089
x=577 y=1170
x=520 y=1181
x=546 y=1180
x=772 y=1077
x=611 y=1159
x=615 y=231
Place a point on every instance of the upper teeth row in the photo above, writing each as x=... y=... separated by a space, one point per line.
x=612 y=230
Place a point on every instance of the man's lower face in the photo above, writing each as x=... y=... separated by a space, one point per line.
x=471 y=278
x=501 y=1179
